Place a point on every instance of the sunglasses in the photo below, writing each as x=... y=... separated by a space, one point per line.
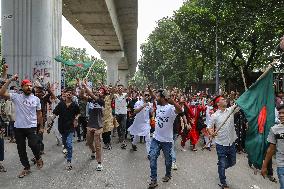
x=147 y=94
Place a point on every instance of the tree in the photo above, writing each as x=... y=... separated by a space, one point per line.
x=182 y=48
x=98 y=70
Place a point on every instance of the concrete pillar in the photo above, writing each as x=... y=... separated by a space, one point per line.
x=31 y=38
x=123 y=76
x=112 y=60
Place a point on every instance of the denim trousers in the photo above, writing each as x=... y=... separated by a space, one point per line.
x=155 y=148
x=226 y=159
x=280 y=173
x=67 y=140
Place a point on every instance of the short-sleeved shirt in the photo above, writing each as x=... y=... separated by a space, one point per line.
x=96 y=113
x=276 y=136
x=66 y=116
x=227 y=134
x=120 y=104
x=26 y=110
x=165 y=117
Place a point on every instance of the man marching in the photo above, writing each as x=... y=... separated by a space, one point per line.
x=167 y=110
x=28 y=115
x=224 y=139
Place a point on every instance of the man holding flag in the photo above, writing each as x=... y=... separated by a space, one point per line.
x=258 y=105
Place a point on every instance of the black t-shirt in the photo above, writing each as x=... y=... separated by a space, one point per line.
x=177 y=122
x=96 y=113
x=66 y=116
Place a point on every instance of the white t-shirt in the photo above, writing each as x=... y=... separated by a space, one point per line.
x=141 y=124
x=120 y=104
x=165 y=117
x=26 y=107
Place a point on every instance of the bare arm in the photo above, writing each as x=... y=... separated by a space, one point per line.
x=3 y=90
x=270 y=152
x=40 y=120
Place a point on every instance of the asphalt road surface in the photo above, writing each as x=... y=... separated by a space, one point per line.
x=124 y=169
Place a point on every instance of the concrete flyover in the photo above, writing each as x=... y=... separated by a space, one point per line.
x=110 y=26
x=31 y=35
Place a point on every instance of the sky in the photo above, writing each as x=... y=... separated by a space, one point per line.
x=149 y=12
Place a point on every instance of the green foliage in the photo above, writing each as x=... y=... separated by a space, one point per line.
x=97 y=73
x=182 y=48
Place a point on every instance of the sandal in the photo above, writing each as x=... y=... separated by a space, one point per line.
x=166 y=178
x=272 y=179
x=24 y=173
x=39 y=163
x=224 y=186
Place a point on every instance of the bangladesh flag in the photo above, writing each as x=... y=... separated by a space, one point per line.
x=259 y=108
x=83 y=65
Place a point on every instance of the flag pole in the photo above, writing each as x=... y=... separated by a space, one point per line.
x=224 y=122
x=89 y=71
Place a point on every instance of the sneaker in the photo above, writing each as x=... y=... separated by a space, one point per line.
x=79 y=140
x=68 y=166
x=99 y=167
x=2 y=168
x=134 y=147
x=24 y=173
x=109 y=147
x=105 y=146
x=183 y=149
x=153 y=185
x=93 y=155
x=224 y=186
x=64 y=151
x=123 y=146
x=166 y=178
x=174 y=166
x=39 y=163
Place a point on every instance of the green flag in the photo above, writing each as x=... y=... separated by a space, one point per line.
x=84 y=65
x=259 y=108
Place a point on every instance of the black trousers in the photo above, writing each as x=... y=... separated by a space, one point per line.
x=106 y=137
x=21 y=134
x=82 y=123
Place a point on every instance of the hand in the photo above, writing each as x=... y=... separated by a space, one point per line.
x=146 y=104
x=15 y=77
x=214 y=134
x=264 y=171
x=188 y=126
x=171 y=101
x=75 y=122
x=5 y=67
x=41 y=130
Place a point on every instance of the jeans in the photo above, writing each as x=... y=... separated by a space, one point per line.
x=280 y=172
x=121 y=129
x=1 y=149
x=156 y=147
x=226 y=159
x=173 y=149
x=20 y=135
x=67 y=140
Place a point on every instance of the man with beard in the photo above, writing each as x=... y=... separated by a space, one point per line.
x=167 y=109
x=28 y=115
x=68 y=112
x=141 y=124
x=95 y=124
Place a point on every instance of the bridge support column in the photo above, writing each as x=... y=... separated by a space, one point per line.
x=31 y=38
x=112 y=60
x=123 y=76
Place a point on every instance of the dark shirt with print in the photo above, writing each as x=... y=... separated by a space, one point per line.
x=96 y=113
x=66 y=116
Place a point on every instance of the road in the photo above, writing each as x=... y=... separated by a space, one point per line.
x=124 y=169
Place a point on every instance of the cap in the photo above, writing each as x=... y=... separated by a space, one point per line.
x=26 y=81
